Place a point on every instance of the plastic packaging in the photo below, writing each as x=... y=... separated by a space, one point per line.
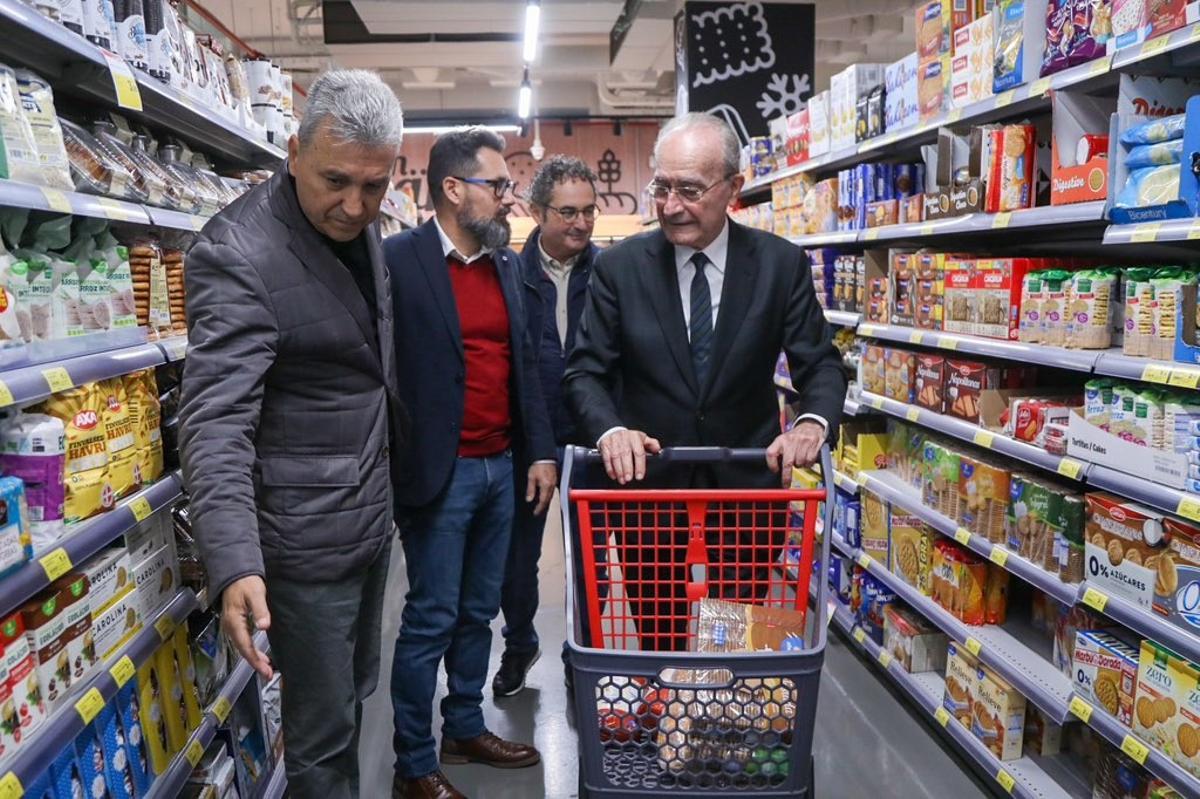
x=98 y=22
x=209 y=202
x=18 y=152
x=1155 y=130
x=130 y=31
x=1161 y=154
x=91 y=169
x=1150 y=186
x=37 y=100
x=139 y=188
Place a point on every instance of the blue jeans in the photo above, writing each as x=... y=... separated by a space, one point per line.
x=455 y=549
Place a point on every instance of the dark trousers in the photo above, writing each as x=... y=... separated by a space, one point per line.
x=325 y=640
x=519 y=595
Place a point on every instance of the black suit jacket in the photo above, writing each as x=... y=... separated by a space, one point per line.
x=429 y=353
x=632 y=337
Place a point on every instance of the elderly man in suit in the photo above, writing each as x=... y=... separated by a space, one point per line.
x=289 y=402
x=480 y=434
x=677 y=347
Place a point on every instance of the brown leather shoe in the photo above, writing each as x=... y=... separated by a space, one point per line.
x=431 y=786
x=490 y=750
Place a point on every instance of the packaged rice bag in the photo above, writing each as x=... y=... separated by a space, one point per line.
x=1060 y=35
x=1029 y=327
x=81 y=411
x=1091 y=301
x=34 y=450
x=1161 y=154
x=1155 y=130
x=18 y=152
x=1097 y=401
x=1154 y=185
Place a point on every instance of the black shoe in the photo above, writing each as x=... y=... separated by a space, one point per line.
x=514 y=667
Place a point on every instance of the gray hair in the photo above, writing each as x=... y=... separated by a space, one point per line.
x=456 y=154
x=359 y=106
x=555 y=170
x=731 y=148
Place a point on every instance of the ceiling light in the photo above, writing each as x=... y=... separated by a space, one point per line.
x=524 y=99
x=533 y=13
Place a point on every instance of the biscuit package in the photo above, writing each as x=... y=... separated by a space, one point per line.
x=911 y=550
x=874 y=534
x=998 y=715
x=1013 y=166
x=961 y=679
x=44 y=627
x=1163 y=679
x=983 y=498
x=78 y=642
x=1105 y=672
x=913 y=641
x=26 y=709
x=940 y=472
x=1092 y=311
x=1176 y=570
x=1124 y=541
x=900 y=375
x=724 y=626
x=930 y=382
x=151 y=715
x=130 y=732
x=959 y=580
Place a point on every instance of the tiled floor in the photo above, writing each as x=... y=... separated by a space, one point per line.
x=868 y=743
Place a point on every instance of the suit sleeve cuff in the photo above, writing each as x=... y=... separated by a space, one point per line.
x=608 y=433
x=812 y=417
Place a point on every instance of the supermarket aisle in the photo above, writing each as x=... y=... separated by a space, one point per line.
x=867 y=745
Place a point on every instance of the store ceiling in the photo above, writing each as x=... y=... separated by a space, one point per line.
x=462 y=58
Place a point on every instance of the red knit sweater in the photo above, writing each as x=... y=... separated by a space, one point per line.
x=483 y=318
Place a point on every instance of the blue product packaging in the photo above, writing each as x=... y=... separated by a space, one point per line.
x=91 y=761
x=135 y=745
x=885 y=182
x=1008 y=67
x=15 y=540
x=904 y=182
x=864 y=192
x=118 y=771
x=66 y=776
x=40 y=788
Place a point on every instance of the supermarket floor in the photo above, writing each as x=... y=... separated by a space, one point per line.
x=868 y=742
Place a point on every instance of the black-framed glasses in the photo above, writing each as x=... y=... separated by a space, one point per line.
x=500 y=186
x=568 y=213
x=688 y=192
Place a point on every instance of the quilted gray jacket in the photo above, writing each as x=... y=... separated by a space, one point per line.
x=288 y=397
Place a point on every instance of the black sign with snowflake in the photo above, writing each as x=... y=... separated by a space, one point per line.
x=748 y=62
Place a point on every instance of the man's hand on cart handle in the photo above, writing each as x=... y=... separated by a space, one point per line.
x=243 y=613
x=624 y=453
x=543 y=476
x=800 y=446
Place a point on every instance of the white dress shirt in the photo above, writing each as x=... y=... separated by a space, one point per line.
x=559 y=273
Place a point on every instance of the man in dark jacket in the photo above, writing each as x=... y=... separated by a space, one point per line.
x=289 y=401
x=556 y=263
x=478 y=422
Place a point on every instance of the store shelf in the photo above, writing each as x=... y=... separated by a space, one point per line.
x=61 y=729
x=77 y=67
x=173 y=348
x=851 y=407
x=1115 y=364
x=966 y=431
x=845 y=482
x=1156 y=762
x=169 y=784
x=278 y=784
x=829 y=239
x=176 y=220
x=27 y=384
x=85 y=539
x=890 y=487
x=926 y=691
x=1059 y=357
x=843 y=318
x=1146 y=624
x=37 y=198
x=1167 y=44
x=1063 y=217
x=1025 y=669
x=1177 y=230
x=1139 y=489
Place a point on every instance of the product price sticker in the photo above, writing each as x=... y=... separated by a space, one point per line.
x=942 y=715
x=1001 y=220
x=1039 y=87
x=875 y=402
x=1156 y=373
x=862 y=478
x=6 y=395
x=165 y=627
x=864 y=560
x=866 y=330
x=124 y=83
x=948 y=343
x=999 y=556
x=1081 y=709
x=1189 y=507
x=141 y=508
x=871 y=234
x=1155 y=45
x=860 y=634
x=119 y=211
x=1096 y=600
x=885 y=658
x=1068 y=467
x=1006 y=780
x=58 y=379
x=926 y=230
x=954 y=116
x=1194 y=230
x=194 y=752
x=57 y=200
x=962 y=535
x=916 y=337
x=973 y=645
x=913 y=414
x=198 y=223
x=1006 y=98
x=221 y=709
x=1135 y=749
x=122 y=671
x=1184 y=378
x=90 y=705
x=55 y=564
x=1145 y=232
x=10 y=787
x=984 y=438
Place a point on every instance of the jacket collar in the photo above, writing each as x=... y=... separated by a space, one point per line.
x=531 y=265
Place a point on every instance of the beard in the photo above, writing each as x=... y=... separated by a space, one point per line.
x=491 y=232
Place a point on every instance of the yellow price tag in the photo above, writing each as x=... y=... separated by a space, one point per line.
x=122 y=671
x=57 y=200
x=861 y=479
x=872 y=234
x=1155 y=45
x=1135 y=749
x=1189 y=507
x=55 y=564
x=866 y=330
x=947 y=343
x=954 y=116
x=1156 y=373
x=1005 y=98
x=124 y=84
x=10 y=787
x=984 y=438
x=1184 y=378
x=962 y=535
x=913 y=414
x=1039 y=87
x=973 y=646
x=1081 y=709
x=885 y=658
x=1006 y=780
x=6 y=395
x=999 y=556
x=1194 y=231
x=194 y=753
x=1096 y=600
x=58 y=379
x=942 y=715
x=221 y=709
x=141 y=509
x=875 y=402
x=916 y=337
x=1001 y=220
x=1144 y=233
x=860 y=634
x=90 y=705
x=926 y=230
x=198 y=223
x=864 y=560
x=1068 y=467
x=165 y=627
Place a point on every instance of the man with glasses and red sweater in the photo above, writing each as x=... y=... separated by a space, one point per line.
x=479 y=434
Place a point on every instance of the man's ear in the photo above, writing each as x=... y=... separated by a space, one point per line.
x=537 y=213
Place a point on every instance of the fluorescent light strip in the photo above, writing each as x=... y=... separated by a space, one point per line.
x=533 y=13
x=524 y=100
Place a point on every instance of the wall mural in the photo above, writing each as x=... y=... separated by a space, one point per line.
x=621 y=161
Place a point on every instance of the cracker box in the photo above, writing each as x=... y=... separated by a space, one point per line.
x=997 y=300
x=1105 y=672
x=1121 y=537
x=900 y=375
x=965 y=383
x=78 y=641
x=156 y=581
x=998 y=715
x=915 y=643
x=874 y=527
x=152 y=716
x=931 y=382
x=44 y=628
x=1156 y=707
x=958 y=299
x=109 y=578
x=971 y=67
x=116 y=624
x=961 y=681
x=911 y=550
x=933 y=29
x=27 y=711
x=932 y=79
x=902 y=277
x=900 y=98
x=874 y=369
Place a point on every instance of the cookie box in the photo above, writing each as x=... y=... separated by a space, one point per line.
x=109 y=578
x=961 y=678
x=1123 y=541
x=78 y=641
x=1177 y=575
x=911 y=550
x=930 y=383
x=116 y=625
x=156 y=580
x=874 y=366
x=1162 y=679
x=27 y=711
x=151 y=716
x=1105 y=672
x=913 y=642
x=44 y=627
x=983 y=497
x=90 y=756
x=900 y=374
x=998 y=715
x=965 y=383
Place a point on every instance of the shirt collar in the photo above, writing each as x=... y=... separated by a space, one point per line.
x=716 y=252
x=550 y=262
x=448 y=248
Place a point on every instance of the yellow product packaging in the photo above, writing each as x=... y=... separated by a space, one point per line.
x=150 y=711
x=874 y=526
x=187 y=675
x=961 y=682
x=146 y=413
x=88 y=489
x=174 y=706
x=118 y=428
x=911 y=550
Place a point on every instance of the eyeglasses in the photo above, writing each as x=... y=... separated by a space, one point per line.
x=500 y=186
x=688 y=192
x=568 y=213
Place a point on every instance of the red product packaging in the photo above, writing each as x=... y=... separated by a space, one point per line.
x=965 y=381
x=998 y=295
x=957 y=302
x=1010 y=178
x=931 y=379
x=1166 y=16
x=27 y=711
x=797 y=137
x=1029 y=417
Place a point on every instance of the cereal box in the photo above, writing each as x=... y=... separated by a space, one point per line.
x=998 y=715
x=1121 y=538
x=959 y=582
x=1161 y=678
x=1105 y=672
x=961 y=679
x=900 y=375
x=911 y=550
x=913 y=641
x=931 y=378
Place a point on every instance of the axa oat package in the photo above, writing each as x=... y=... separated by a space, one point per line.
x=86 y=469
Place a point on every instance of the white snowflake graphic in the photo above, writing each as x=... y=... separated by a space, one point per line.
x=780 y=101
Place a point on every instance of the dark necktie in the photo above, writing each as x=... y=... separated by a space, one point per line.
x=701 y=328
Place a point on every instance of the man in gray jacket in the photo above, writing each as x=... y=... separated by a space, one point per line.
x=288 y=412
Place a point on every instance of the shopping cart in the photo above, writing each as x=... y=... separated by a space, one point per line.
x=654 y=716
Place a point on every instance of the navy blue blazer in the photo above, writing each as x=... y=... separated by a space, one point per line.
x=429 y=355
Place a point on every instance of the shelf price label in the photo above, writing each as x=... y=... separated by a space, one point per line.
x=141 y=509
x=194 y=752
x=1039 y=87
x=1081 y=709
x=871 y=234
x=999 y=556
x=984 y=438
x=1194 y=231
x=1002 y=219
x=58 y=379
x=962 y=535
x=885 y=658
x=875 y=402
x=1096 y=600
x=942 y=715
x=221 y=709
x=6 y=395
x=864 y=560
x=1144 y=233
x=56 y=200
x=1155 y=45
x=1184 y=378
x=122 y=671
x=1006 y=98
x=1071 y=468
x=954 y=116
x=916 y=337
x=1135 y=749
x=10 y=787
x=1156 y=373
x=90 y=705
x=948 y=343
x=926 y=230
x=860 y=634
x=55 y=564
x=1006 y=780
x=124 y=84
x=973 y=645
x=861 y=479
x=1100 y=66
x=1189 y=507
x=866 y=330
x=913 y=414
x=165 y=627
